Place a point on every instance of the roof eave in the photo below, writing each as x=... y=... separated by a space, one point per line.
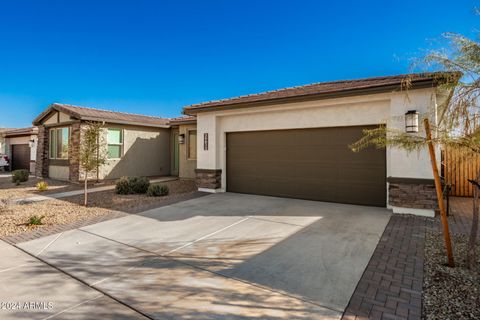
x=141 y=124
x=416 y=84
x=53 y=107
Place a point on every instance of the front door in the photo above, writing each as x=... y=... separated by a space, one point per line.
x=175 y=154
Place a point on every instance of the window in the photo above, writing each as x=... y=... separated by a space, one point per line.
x=59 y=143
x=192 y=144
x=115 y=143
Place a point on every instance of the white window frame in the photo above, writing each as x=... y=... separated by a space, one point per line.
x=116 y=144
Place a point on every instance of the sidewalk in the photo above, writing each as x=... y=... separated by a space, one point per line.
x=32 y=289
x=78 y=192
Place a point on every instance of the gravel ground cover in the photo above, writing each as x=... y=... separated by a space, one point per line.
x=134 y=203
x=63 y=211
x=449 y=293
x=9 y=191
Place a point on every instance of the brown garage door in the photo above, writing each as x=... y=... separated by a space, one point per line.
x=313 y=164
x=20 y=156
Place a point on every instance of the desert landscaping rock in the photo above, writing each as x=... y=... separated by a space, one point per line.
x=71 y=209
x=449 y=293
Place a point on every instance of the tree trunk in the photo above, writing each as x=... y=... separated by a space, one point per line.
x=438 y=189
x=471 y=254
x=85 y=192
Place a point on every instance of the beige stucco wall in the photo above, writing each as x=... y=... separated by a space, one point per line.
x=187 y=166
x=146 y=152
x=59 y=172
x=385 y=108
x=55 y=116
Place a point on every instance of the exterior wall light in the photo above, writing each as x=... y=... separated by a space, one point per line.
x=411 y=121
x=181 y=138
x=31 y=143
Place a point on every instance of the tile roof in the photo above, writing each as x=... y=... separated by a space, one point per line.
x=183 y=120
x=388 y=83
x=19 y=132
x=85 y=113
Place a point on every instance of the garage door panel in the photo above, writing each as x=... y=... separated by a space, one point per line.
x=20 y=157
x=311 y=164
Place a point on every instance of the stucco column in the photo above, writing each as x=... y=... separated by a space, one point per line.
x=208 y=172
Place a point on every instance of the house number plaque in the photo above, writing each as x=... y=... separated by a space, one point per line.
x=205 y=141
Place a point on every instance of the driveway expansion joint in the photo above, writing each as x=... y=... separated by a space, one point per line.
x=84 y=283
x=167 y=257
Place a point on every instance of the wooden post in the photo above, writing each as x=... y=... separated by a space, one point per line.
x=438 y=188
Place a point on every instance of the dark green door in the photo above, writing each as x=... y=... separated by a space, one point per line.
x=175 y=154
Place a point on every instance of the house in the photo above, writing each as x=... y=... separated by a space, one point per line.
x=291 y=142
x=20 y=145
x=294 y=142
x=137 y=145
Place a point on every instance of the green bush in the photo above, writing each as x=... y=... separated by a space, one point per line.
x=35 y=220
x=157 y=190
x=122 y=186
x=132 y=185
x=139 y=184
x=20 y=176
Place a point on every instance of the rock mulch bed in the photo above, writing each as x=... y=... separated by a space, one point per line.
x=66 y=211
x=449 y=293
x=135 y=203
x=9 y=190
x=55 y=212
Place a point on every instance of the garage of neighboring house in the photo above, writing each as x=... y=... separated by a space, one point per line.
x=294 y=143
x=20 y=156
x=20 y=147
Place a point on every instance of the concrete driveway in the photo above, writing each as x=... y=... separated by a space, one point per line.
x=219 y=256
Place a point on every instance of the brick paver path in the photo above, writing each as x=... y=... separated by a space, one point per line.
x=391 y=286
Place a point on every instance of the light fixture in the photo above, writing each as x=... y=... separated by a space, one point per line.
x=181 y=138
x=31 y=143
x=411 y=121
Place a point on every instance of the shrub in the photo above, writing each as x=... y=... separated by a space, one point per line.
x=35 y=220
x=42 y=186
x=20 y=176
x=139 y=184
x=131 y=185
x=122 y=186
x=157 y=190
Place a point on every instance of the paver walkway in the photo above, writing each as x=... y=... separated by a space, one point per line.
x=78 y=192
x=391 y=286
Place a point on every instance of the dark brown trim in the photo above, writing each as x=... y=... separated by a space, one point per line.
x=179 y=123
x=58 y=162
x=62 y=124
x=318 y=96
x=208 y=170
x=410 y=180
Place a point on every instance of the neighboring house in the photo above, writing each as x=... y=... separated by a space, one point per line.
x=294 y=143
x=20 y=145
x=136 y=145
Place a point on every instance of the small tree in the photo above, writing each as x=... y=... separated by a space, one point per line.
x=92 y=154
x=458 y=125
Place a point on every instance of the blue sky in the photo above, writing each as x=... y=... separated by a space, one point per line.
x=153 y=57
